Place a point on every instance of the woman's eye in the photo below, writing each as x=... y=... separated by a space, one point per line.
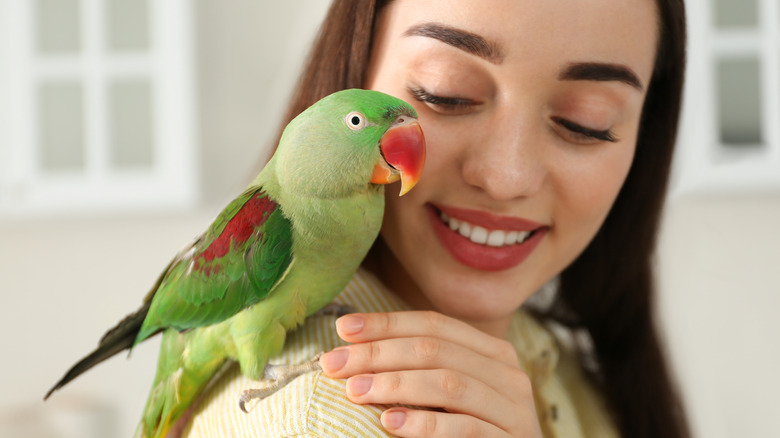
x=443 y=104
x=582 y=134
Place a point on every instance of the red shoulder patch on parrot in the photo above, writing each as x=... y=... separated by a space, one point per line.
x=252 y=214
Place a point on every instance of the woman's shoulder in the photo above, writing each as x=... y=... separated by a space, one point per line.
x=312 y=405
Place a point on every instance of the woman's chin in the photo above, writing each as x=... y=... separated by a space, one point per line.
x=476 y=304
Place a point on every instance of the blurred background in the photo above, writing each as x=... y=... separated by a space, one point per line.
x=125 y=125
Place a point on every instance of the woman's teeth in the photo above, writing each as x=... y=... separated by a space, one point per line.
x=483 y=236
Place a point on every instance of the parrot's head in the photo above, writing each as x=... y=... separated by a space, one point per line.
x=349 y=141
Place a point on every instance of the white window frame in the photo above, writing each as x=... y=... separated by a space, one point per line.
x=703 y=164
x=170 y=183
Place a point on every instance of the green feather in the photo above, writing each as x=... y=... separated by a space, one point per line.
x=196 y=292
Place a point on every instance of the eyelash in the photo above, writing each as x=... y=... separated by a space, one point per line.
x=578 y=130
x=445 y=103
x=457 y=103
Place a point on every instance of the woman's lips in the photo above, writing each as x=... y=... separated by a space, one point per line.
x=484 y=240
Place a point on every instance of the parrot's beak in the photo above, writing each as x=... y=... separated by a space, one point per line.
x=403 y=150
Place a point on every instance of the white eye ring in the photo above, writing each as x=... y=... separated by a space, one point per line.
x=355 y=121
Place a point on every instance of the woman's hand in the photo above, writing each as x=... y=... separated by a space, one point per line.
x=427 y=359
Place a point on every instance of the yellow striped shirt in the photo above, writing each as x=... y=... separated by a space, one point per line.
x=315 y=405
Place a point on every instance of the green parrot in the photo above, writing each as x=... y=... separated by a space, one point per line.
x=276 y=254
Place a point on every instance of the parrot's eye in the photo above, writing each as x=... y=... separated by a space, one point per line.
x=355 y=121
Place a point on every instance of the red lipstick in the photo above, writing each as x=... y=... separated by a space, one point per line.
x=479 y=256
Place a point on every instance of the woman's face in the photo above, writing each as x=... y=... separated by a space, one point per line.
x=530 y=111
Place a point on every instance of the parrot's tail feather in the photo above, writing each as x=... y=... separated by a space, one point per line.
x=118 y=339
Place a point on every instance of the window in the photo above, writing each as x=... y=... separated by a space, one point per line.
x=96 y=106
x=730 y=133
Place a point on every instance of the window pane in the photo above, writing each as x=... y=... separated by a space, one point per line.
x=61 y=126
x=57 y=26
x=130 y=109
x=128 y=24
x=739 y=101
x=736 y=13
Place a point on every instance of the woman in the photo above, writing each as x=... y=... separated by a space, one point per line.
x=550 y=128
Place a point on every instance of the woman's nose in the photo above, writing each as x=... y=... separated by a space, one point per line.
x=506 y=165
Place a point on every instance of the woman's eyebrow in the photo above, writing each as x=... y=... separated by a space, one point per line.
x=461 y=39
x=594 y=71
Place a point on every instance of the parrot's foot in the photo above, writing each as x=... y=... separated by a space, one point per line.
x=335 y=309
x=278 y=376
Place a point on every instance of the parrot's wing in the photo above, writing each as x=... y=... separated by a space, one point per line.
x=234 y=264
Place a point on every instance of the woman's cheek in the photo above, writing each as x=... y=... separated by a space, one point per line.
x=589 y=187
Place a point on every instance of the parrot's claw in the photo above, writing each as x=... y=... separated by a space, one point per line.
x=277 y=377
x=335 y=309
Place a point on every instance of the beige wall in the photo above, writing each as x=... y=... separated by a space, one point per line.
x=65 y=280
x=719 y=261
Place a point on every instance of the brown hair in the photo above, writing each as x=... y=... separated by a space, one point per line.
x=608 y=290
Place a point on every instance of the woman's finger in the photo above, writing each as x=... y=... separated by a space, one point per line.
x=365 y=327
x=413 y=423
x=446 y=389
x=424 y=353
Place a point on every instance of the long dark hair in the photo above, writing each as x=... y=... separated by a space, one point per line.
x=608 y=290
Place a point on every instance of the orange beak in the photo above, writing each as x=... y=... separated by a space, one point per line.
x=403 y=152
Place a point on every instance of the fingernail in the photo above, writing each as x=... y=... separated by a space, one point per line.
x=334 y=360
x=349 y=324
x=393 y=419
x=359 y=385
